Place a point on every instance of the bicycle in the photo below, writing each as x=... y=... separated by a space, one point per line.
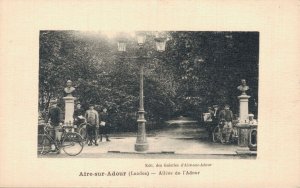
x=82 y=131
x=71 y=142
x=219 y=136
x=80 y=127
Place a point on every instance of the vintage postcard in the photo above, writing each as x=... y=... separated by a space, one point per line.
x=149 y=93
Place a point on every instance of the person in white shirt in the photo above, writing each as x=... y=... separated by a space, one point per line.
x=92 y=119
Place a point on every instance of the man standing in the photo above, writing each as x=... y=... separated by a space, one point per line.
x=215 y=114
x=54 y=116
x=92 y=118
x=227 y=116
x=104 y=126
x=211 y=114
x=208 y=119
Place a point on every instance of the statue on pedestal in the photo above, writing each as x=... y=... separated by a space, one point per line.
x=243 y=87
x=69 y=89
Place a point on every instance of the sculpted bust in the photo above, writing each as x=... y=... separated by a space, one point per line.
x=243 y=87
x=69 y=89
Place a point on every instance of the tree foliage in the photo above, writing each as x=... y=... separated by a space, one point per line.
x=210 y=65
x=197 y=70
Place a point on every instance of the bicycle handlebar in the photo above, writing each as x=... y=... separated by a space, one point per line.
x=48 y=127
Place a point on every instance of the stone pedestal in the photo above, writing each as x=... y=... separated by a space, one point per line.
x=243 y=132
x=253 y=138
x=243 y=126
x=246 y=147
x=69 y=110
x=244 y=114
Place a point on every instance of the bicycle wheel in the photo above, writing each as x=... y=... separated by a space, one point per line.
x=72 y=143
x=44 y=145
x=83 y=134
x=216 y=134
x=222 y=137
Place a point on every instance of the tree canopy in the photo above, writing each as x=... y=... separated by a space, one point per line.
x=197 y=70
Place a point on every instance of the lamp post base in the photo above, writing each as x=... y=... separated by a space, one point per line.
x=141 y=143
x=141 y=146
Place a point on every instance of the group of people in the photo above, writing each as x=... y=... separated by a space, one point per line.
x=97 y=124
x=224 y=117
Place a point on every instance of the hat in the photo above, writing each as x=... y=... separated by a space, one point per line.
x=226 y=105
x=251 y=115
x=215 y=106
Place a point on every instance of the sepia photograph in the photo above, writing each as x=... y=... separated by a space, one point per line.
x=148 y=94
x=160 y=93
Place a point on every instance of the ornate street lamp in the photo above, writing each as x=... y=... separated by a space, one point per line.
x=122 y=45
x=160 y=43
x=141 y=140
x=141 y=38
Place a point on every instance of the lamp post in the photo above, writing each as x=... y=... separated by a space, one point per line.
x=141 y=140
